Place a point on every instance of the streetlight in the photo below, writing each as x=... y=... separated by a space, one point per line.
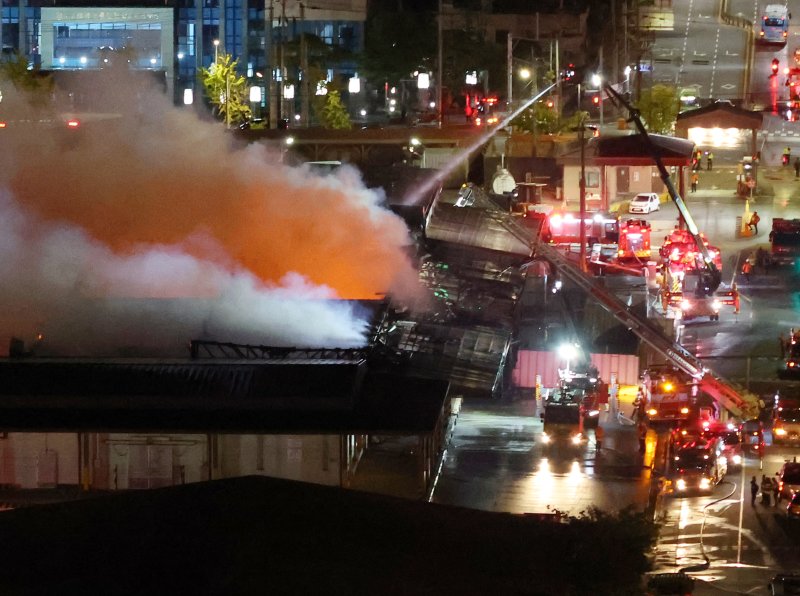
x=567 y=352
x=216 y=51
x=597 y=81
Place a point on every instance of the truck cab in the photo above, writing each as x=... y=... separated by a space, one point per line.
x=698 y=465
x=784 y=240
x=786 y=420
x=563 y=417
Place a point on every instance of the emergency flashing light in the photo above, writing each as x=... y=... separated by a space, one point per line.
x=775 y=65
x=3 y=124
x=596 y=100
x=668 y=386
x=73 y=123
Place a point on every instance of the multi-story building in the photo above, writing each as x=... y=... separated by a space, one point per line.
x=181 y=36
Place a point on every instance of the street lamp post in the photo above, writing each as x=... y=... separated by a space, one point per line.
x=216 y=51
x=597 y=81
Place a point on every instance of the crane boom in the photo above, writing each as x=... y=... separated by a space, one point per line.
x=712 y=277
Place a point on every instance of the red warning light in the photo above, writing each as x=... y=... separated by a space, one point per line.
x=73 y=123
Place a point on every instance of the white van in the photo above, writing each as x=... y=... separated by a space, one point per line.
x=774 y=24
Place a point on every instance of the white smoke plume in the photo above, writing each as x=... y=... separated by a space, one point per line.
x=133 y=235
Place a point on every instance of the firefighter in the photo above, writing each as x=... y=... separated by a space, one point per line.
x=753 y=225
x=747 y=269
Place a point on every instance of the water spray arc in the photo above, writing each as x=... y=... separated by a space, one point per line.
x=428 y=186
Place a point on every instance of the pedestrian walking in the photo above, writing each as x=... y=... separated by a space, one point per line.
x=599 y=435
x=753 y=225
x=797 y=167
x=735 y=296
x=709 y=160
x=695 y=180
x=787 y=156
x=753 y=491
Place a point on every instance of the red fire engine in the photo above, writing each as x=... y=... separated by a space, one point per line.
x=680 y=249
x=682 y=280
x=611 y=244
x=634 y=240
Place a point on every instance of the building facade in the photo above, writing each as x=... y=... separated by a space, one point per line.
x=181 y=36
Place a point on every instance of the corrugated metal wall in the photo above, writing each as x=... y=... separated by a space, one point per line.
x=531 y=363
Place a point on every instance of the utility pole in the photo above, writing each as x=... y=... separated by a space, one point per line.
x=283 y=57
x=582 y=187
x=440 y=75
x=273 y=99
x=304 y=83
x=558 y=85
x=600 y=90
x=510 y=72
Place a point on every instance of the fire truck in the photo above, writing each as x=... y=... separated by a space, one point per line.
x=786 y=419
x=634 y=240
x=612 y=245
x=588 y=388
x=784 y=241
x=563 y=418
x=668 y=395
x=686 y=285
x=680 y=248
x=698 y=465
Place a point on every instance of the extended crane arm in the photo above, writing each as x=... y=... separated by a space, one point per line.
x=713 y=276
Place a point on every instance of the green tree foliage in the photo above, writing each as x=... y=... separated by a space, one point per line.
x=658 y=107
x=539 y=118
x=30 y=81
x=575 y=121
x=226 y=89
x=330 y=111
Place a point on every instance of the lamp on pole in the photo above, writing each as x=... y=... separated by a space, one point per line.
x=582 y=188
x=216 y=51
x=597 y=81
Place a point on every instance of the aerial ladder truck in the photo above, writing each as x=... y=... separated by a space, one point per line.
x=709 y=280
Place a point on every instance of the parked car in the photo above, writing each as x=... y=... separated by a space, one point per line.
x=644 y=202
x=784 y=584
x=793 y=508
x=789 y=480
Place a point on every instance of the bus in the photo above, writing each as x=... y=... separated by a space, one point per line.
x=774 y=24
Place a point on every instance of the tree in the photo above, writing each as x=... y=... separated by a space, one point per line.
x=330 y=111
x=31 y=81
x=540 y=118
x=226 y=90
x=658 y=107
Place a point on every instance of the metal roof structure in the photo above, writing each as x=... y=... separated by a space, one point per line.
x=286 y=396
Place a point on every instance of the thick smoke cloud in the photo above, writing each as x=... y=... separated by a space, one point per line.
x=136 y=233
